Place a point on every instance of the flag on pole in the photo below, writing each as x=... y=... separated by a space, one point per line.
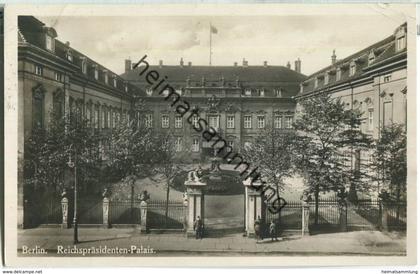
x=213 y=29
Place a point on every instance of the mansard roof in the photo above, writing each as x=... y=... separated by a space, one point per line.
x=215 y=73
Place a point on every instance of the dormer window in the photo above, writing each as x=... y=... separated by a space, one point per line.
x=338 y=75
x=400 y=39
x=95 y=72
x=69 y=56
x=248 y=92
x=105 y=77
x=84 y=65
x=49 y=43
x=352 y=68
x=400 y=43
x=114 y=82
x=371 y=57
x=50 y=34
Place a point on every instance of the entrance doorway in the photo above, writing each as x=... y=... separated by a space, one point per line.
x=224 y=214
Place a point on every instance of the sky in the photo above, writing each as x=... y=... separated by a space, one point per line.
x=276 y=39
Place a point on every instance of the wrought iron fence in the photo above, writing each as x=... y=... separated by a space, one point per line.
x=328 y=213
x=90 y=211
x=289 y=217
x=124 y=212
x=156 y=215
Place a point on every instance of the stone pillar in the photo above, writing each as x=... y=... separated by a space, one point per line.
x=143 y=216
x=195 y=203
x=105 y=212
x=253 y=206
x=65 y=212
x=305 y=218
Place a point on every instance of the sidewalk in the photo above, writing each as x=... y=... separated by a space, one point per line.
x=348 y=243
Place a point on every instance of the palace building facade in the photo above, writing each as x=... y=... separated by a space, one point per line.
x=53 y=76
x=238 y=101
x=373 y=80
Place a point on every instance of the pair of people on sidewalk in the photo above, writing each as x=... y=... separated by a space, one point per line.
x=259 y=230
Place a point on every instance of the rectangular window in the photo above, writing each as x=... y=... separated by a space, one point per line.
x=214 y=121
x=248 y=92
x=370 y=119
x=88 y=113
x=108 y=119
x=261 y=121
x=230 y=122
x=277 y=122
x=49 y=43
x=288 y=121
x=195 y=145
x=387 y=78
x=106 y=78
x=37 y=110
x=247 y=122
x=178 y=144
x=352 y=70
x=103 y=118
x=316 y=83
x=338 y=74
x=38 y=70
x=84 y=66
x=400 y=43
x=278 y=92
x=149 y=120
x=178 y=122
x=58 y=77
x=115 y=82
x=261 y=92
x=387 y=114
x=195 y=121
x=165 y=121
x=114 y=119
x=326 y=79
x=96 y=117
x=96 y=74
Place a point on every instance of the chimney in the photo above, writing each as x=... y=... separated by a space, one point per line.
x=333 y=58
x=288 y=65
x=181 y=63
x=127 y=65
x=244 y=62
x=235 y=64
x=189 y=64
x=298 y=65
x=265 y=64
x=160 y=63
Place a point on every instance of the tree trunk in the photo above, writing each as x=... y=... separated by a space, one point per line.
x=167 y=204
x=316 y=204
x=398 y=202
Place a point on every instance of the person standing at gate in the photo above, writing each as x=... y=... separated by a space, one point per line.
x=257 y=228
x=273 y=231
x=198 y=227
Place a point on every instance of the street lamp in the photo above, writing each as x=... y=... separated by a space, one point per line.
x=73 y=164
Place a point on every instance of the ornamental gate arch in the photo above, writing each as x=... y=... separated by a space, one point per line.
x=254 y=206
